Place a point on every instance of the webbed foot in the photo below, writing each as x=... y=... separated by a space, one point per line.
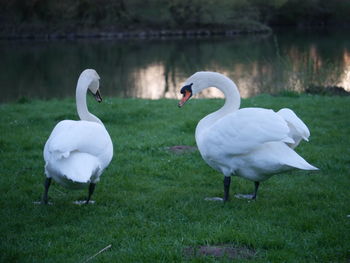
x=216 y=199
x=246 y=196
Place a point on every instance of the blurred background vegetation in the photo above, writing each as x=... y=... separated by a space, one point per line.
x=117 y=15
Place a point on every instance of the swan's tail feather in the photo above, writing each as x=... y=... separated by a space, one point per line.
x=286 y=156
x=307 y=166
x=296 y=161
x=59 y=155
x=79 y=168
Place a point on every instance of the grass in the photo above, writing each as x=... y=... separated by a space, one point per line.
x=150 y=202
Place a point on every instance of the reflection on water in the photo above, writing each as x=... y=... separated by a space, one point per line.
x=344 y=80
x=150 y=82
x=157 y=68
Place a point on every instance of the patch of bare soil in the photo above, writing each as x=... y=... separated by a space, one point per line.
x=219 y=251
x=182 y=149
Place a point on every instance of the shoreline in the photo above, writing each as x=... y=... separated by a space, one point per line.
x=131 y=34
x=149 y=33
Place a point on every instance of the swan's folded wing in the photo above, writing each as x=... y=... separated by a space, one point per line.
x=245 y=130
x=81 y=136
x=298 y=127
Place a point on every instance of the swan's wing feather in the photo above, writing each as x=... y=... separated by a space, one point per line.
x=247 y=129
x=82 y=136
x=296 y=124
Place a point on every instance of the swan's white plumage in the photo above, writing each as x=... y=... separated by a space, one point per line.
x=297 y=128
x=253 y=143
x=244 y=130
x=83 y=136
x=77 y=152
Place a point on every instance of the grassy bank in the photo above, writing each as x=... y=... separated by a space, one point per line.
x=150 y=202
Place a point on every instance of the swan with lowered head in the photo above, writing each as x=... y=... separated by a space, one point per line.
x=253 y=143
x=77 y=152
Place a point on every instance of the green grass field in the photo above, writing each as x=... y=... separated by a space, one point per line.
x=150 y=203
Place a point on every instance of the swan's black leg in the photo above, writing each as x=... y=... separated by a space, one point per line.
x=256 y=184
x=250 y=196
x=227 y=182
x=91 y=191
x=45 y=196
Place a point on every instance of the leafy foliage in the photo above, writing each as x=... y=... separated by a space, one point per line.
x=120 y=14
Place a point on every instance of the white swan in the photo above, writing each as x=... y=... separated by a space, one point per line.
x=77 y=152
x=253 y=143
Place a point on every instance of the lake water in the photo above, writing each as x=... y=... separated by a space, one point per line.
x=156 y=68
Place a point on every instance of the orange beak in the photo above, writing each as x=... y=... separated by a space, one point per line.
x=185 y=98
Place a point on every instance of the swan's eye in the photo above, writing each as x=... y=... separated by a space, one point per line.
x=186 y=88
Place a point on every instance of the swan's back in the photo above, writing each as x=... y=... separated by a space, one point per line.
x=250 y=142
x=244 y=130
x=77 y=151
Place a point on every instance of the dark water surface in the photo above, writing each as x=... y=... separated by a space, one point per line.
x=154 y=69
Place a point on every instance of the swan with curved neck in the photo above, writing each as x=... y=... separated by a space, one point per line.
x=77 y=152
x=88 y=80
x=253 y=143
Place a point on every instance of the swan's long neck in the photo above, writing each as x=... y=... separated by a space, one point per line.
x=232 y=99
x=232 y=96
x=82 y=109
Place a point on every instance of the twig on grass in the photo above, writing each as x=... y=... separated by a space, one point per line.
x=107 y=247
